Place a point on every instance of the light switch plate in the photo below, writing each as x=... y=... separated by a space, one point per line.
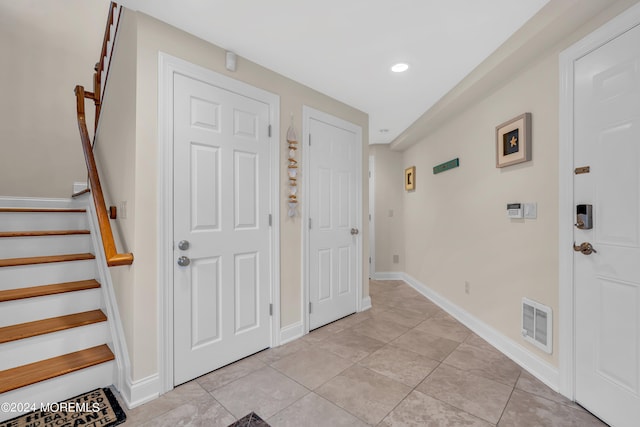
x=531 y=210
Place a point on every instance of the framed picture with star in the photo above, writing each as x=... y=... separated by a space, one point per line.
x=513 y=141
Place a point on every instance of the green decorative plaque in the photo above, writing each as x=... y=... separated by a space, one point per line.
x=446 y=166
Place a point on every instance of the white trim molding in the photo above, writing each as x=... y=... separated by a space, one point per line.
x=365 y=304
x=291 y=332
x=539 y=368
x=388 y=275
x=136 y=393
x=118 y=344
x=167 y=66
x=612 y=29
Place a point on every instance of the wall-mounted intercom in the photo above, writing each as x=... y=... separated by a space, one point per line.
x=584 y=217
x=514 y=210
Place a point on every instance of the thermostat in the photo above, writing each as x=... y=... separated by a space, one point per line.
x=514 y=210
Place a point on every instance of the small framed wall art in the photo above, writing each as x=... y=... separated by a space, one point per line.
x=410 y=178
x=513 y=141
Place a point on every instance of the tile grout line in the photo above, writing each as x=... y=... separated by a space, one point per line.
x=509 y=399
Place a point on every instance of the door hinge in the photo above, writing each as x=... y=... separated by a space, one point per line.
x=269 y=131
x=369 y=217
x=270 y=309
x=369 y=174
x=309 y=223
x=309 y=140
x=369 y=260
x=269 y=220
x=309 y=307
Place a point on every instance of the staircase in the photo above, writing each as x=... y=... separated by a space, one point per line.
x=55 y=339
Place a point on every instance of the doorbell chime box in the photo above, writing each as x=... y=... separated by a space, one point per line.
x=514 y=210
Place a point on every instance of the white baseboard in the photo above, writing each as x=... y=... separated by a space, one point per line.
x=291 y=332
x=539 y=368
x=136 y=393
x=365 y=304
x=388 y=275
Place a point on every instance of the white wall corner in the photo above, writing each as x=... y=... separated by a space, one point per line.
x=365 y=304
x=389 y=275
x=291 y=332
x=136 y=393
x=538 y=367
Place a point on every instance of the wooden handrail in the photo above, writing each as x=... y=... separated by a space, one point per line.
x=113 y=257
x=99 y=68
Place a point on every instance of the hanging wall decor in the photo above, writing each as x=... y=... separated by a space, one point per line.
x=292 y=170
x=410 y=178
x=513 y=141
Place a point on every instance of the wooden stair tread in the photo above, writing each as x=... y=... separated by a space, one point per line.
x=53 y=324
x=42 y=233
x=42 y=210
x=12 y=262
x=39 y=291
x=32 y=373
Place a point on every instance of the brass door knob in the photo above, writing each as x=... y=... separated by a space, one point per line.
x=586 y=248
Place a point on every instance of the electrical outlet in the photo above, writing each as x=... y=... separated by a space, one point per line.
x=467 y=287
x=390 y=213
x=396 y=259
x=123 y=210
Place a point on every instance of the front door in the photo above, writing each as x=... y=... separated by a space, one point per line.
x=221 y=227
x=607 y=282
x=334 y=193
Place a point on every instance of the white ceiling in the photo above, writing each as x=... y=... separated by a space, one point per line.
x=345 y=48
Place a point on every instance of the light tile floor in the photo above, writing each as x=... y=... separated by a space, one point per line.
x=404 y=362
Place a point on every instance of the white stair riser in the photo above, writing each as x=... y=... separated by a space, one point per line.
x=61 y=388
x=32 y=202
x=19 y=247
x=30 y=221
x=46 y=274
x=30 y=309
x=35 y=349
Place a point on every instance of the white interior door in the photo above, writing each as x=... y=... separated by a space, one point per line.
x=607 y=283
x=221 y=208
x=334 y=192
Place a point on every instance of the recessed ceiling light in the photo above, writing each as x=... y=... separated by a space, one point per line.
x=384 y=130
x=400 y=67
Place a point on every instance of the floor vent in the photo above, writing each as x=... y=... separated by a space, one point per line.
x=537 y=321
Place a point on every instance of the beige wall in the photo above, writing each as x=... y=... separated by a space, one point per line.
x=456 y=227
x=137 y=286
x=389 y=208
x=116 y=156
x=48 y=47
x=455 y=224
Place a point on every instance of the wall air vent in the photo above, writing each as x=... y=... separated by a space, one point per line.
x=537 y=324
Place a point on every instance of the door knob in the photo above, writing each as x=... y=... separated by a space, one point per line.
x=586 y=248
x=183 y=261
x=354 y=231
x=183 y=245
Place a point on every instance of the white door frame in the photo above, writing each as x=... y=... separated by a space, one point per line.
x=167 y=66
x=307 y=114
x=372 y=216
x=612 y=29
